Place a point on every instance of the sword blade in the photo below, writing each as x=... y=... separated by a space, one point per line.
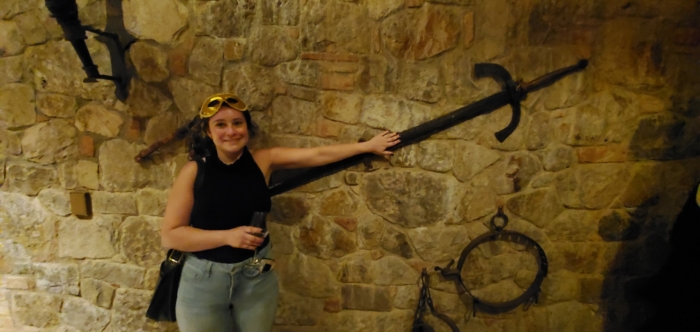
x=286 y=181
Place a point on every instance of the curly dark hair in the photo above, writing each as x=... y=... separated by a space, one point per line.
x=199 y=144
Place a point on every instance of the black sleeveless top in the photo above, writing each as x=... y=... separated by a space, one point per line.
x=227 y=198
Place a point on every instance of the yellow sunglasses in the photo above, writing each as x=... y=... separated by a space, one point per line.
x=213 y=104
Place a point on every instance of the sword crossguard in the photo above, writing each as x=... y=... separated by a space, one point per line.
x=503 y=78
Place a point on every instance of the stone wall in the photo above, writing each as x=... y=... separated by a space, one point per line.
x=596 y=172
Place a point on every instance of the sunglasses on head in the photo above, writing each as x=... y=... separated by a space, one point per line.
x=213 y=104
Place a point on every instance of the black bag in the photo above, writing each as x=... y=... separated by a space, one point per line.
x=162 y=306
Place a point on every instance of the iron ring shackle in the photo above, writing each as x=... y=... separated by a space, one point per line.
x=510 y=236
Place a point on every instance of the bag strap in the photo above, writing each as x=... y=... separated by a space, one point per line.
x=199 y=178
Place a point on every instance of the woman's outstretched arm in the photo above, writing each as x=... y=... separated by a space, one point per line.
x=282 y=158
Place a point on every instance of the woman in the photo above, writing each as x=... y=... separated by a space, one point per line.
x=210 y=221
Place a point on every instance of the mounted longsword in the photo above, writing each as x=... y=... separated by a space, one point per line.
x=512 y=93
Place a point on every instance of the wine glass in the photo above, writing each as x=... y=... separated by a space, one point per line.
x=258 y=221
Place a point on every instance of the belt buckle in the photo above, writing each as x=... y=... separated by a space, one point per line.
x=175 y=261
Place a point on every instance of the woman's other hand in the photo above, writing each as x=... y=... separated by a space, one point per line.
x=242 y=237
x=378 y=144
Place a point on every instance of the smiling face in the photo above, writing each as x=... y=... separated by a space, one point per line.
x=229 y=131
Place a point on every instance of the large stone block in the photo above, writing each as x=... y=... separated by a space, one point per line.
x=155 y=19
x=31 y=27
x=224 y=19
x=36 y=309
x=97 y=292
x=56 y=201
x=271 y=46
x=206 y=60
x=335 y=27
x=189 y=95
x=119 y=172
x=161 y=126
x=10 y=69
x=297 y=310
x=292 y=116
x=573 y=316
x=129 y=313
x=389 y=113
x=86 y=174
x=324 y=239
x=338 y=203
x=28 y=224
x=151 y=63
x=539 y=207
x=289 y=209
x=437 y=156
x=140 y=240
x=98 y=119
x=121 y=274
x=422 y=33
x=146 y=100
x=308 y=276
x=64 y=74
x=439 y=244
x=359 y=297
x=11 y=41
x=591 y=186
x=574 y=226
x=82 y=315
x=478 y=202
x=252 y=83
x=512 y=174
x=421 y=83
x=406 y=198
x=57 y=278
x=619 y=225
x=380 y=9
x=370 y=228
x=471 y=159
x=352 y=321
x=392 y=270
x=56 y=105
x=396 y=242
x=17 y=105
x=283 y=12
x=379 y=74
x=113 y=203
x=356 y=268
x=299 y=72
x=151 y=202
x=49 y=142
x=29 y=179
x=341 y=107
x=87 y=238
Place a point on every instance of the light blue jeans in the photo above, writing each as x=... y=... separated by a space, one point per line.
x=217 y=297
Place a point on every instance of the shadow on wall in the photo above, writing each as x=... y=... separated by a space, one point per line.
x=650 y=285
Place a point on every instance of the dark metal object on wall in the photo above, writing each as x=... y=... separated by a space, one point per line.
x=512 y=93
x=116 y=38
x=528 y=297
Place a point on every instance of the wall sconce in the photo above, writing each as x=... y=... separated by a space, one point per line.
x=66 y=14
x=81 y=204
